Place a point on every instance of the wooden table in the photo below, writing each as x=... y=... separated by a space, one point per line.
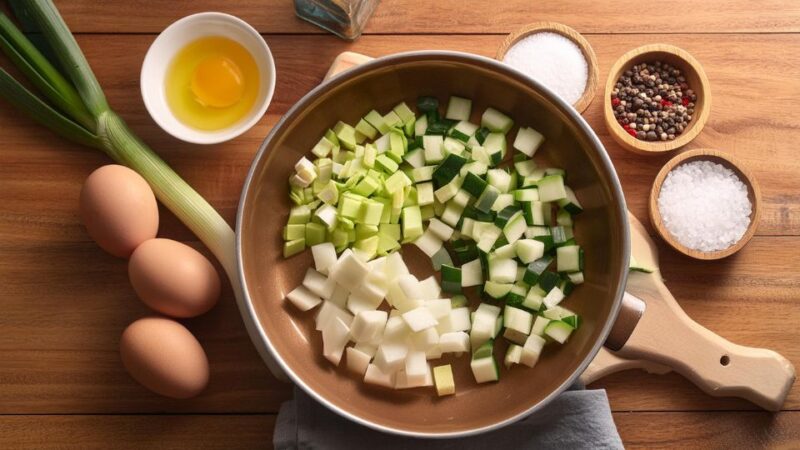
x=64 y=303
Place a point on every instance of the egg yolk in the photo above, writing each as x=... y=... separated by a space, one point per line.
x=217 y=82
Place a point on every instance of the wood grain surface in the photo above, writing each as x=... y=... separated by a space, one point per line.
x=64 y=302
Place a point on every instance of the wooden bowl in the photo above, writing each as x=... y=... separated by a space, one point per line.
x=753 y=193
x=555 y=27
x=695 y=78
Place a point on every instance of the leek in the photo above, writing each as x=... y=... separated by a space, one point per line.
x=73 y=105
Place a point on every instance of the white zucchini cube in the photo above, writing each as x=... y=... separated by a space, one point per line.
x=531 y=350
x=374 y=375
x=425 y=339
x=517 y=319
x=324 y=256
x=502 y=270
x=339 y=296
x=440 y=229
x=372 y=292
x=368 y=325
x=472 y=273
x=417 y=369
x=319 y=284
x=356 y=303
x=429 y=288
x=484 y=369
x=429 y=243
x=402 y=381
x=377 y=278
x=357 y=361
x=396 y=330
x=395 y=267
x=553 y=297
x=515 y=336
x=434 y=352
x=460 y=319
x=439 y=307
x=328 y=312
x=349 y=271
x=335 y=337
x=303 y=299
x=455 y=342
x=419 y=319
x=410 y=287
x=391 y=356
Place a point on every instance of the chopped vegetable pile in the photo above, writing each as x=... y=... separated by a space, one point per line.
x=445 y=185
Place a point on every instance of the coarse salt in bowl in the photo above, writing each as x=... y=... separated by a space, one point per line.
x=704 y=204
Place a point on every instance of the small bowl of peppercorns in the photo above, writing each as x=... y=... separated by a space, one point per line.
x=657 y=99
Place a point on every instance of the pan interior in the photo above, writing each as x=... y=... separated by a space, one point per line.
x=268 y=276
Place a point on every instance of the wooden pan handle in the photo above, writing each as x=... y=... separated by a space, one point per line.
x=607 y=362
x=666 y=335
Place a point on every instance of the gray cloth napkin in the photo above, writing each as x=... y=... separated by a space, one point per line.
x=577 y=419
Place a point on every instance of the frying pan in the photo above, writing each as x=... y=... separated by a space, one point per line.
x=602 y=229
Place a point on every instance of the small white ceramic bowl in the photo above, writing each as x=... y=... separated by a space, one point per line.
x=177 y=36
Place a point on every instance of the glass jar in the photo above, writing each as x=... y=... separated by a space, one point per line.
x=344 y=18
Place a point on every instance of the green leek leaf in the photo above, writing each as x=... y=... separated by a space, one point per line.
x=57 y=34
x=32 y=32
x=41 y=73
x=22 y=98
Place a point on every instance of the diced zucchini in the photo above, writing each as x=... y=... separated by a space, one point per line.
x=375 y=119
x=497 y=290
x=412 y=222
x=570 y=202
x=451 y=279
x=483 y=365
x=458 y=108
x=558 y=331
x=539 y=324
x=496 y=121
x=513 y=355
x=528 y=141
x=536 y=269
x=291 y=248
x=404 y=112
x=528 y=250
x=433 y=145
x=514 y=229
x=548 y=280
x=551 y=188
x=569 y=258
x=495 y=147
x=448 y=169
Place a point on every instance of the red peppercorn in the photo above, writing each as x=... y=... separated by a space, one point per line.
x=615 y=102
x=685 y=101
x=666 y=103
x=631 y=132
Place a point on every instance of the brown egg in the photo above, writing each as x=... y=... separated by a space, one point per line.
x=173 y=278
x=164 y=357
x=118 y=209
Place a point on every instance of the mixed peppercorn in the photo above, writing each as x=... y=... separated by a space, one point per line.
x=653 y=102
